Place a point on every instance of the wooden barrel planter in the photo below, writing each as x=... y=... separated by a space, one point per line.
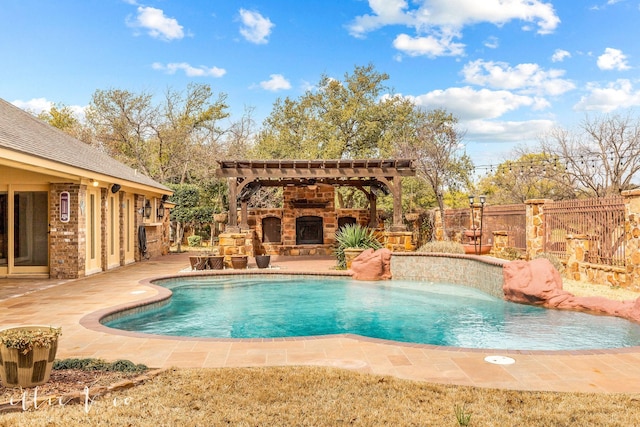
x=27 y=355
x=262 y=261
x=239 y=262
x=216 y=262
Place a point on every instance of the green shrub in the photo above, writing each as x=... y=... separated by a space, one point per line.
x=553 y=259
x=510 y=254
x=354 y=236
x=194 y=240
x=126 y=366
x=98 y=365
x=445 y=247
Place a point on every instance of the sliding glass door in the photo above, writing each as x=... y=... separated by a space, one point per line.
x=24 y=230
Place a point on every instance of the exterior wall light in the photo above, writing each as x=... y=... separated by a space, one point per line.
x=147 y=209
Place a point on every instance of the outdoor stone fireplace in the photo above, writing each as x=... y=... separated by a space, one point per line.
x=309 y=230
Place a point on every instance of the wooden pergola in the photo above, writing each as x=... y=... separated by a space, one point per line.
x=371 y=176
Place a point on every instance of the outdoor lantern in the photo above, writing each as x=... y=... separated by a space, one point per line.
x=483 y=199
x=147 y=209
x=471 y=200
x=160 y=212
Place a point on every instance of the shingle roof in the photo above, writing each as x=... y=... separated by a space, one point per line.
x=24 y=133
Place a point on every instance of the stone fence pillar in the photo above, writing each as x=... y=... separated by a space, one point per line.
x=577 y=247
x=500 y=243
x=438 y=226
x=632 y=237
x=535 y=226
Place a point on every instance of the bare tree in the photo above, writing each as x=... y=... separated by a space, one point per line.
x=435 y=142
x=602 y=157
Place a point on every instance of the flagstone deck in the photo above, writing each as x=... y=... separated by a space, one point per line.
x=74 y=304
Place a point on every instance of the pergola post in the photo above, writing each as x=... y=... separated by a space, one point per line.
x=233 y=202
x=396 y=191
x=244 y=215
x=373 y=210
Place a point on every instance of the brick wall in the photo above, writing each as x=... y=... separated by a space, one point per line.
x=299 y=202
x=65 y=240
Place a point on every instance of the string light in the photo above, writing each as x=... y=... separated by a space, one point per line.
x=547 y=164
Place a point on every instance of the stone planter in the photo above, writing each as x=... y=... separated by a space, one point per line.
x=412 y=216
x=30 y=369
x=221 y=218
x=262 y=261
x=350 y=254
x=239 y=262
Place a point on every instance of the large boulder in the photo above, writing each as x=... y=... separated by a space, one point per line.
x=537 y=282
x=372 y=265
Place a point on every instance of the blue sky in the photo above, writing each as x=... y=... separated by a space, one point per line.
x=508 y=69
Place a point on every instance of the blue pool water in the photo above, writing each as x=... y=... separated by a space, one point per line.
x=408 y=311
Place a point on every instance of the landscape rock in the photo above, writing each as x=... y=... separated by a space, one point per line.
x=372 y=265
x=537 y=282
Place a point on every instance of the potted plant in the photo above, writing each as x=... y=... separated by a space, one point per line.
x=352 y=240
x=239 y=262
x=221 y=217
x=411 y=216
x=263 y=260
x=27 y=354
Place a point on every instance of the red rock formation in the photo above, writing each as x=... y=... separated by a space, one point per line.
x=372 y=265
x=537 y=282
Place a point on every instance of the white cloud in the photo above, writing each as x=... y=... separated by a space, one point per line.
x=560 y=55
x=189 y=70
x=255 y=27
x=157 y=24
x=526 y=78
x=36 y=105
x=467 y=103
x=478 y=110
x=613 y=59
x=492 y=42
x=429 y=46
x=618 y=94
x=506 y=131
x=275 y=83
x=454 y=14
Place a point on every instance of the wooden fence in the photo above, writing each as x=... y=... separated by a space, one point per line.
x=509 y=218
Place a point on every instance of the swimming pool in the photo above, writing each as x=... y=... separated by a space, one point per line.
x=273 y=306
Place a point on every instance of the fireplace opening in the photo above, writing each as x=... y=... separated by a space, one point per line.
x=309 y=230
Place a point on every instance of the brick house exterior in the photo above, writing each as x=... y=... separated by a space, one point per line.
x=68 y=210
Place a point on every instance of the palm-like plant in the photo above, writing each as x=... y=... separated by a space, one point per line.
x=354 y=236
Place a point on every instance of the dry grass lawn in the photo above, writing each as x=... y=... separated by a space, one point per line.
x=315 y=396
x=583 y=289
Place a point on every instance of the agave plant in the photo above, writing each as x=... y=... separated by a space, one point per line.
x=354 y=236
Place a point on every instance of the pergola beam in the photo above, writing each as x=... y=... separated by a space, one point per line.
x=283 y=173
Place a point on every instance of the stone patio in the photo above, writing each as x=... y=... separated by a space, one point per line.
x=76 y=305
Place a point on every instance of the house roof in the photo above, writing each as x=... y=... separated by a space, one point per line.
x=25 y=134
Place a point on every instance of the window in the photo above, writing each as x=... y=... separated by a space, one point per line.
x=271 y=230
